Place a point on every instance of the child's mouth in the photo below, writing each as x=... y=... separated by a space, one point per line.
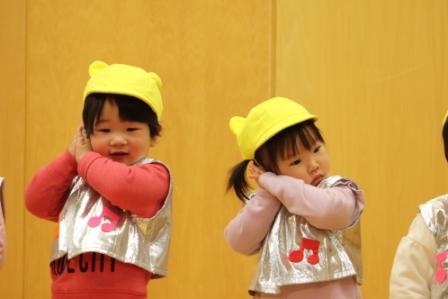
x=118 y=154
x=317 y=180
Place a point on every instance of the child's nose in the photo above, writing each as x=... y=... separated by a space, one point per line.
x=118 y=139
x=313 y=165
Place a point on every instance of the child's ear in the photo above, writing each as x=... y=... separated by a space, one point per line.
x=153 y=141
x=155 y=138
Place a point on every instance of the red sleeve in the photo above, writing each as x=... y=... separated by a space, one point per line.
x=47 y=191
x=141 y=189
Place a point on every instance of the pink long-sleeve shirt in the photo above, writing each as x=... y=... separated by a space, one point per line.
x=332 y=208
x=140 y=189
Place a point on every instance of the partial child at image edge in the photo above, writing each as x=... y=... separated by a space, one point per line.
x=2 y=224
x=420 y=265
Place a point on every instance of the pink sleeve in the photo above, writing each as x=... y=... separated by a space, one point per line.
x=47 y=191
x=332 y=208
x=141 y=189
x=248 y=229
x=2 y=238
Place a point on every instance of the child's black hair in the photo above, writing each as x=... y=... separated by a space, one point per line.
x=307 y=133
x=445 y=138
x=129 y=109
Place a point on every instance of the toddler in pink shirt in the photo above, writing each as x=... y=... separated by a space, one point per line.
x=302 y=222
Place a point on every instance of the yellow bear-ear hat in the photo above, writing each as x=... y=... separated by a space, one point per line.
x=126 y=80
x=264 y=121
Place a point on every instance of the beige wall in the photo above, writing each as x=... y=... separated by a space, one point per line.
x=374 y=72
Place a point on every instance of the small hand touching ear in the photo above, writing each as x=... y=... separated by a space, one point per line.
x=72 y=146
x=255 y=171
x=82 y=143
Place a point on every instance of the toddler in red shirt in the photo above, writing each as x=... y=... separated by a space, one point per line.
x=112 y=203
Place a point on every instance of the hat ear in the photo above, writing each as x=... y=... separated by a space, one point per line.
x=157 y=79
x=236 y=124
x=97 y=67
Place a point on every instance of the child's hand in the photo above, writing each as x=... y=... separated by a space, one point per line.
x=255 y=171
x=82 y=143
x=72 y=146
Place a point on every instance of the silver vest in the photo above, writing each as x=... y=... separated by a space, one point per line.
x=295 y=252
x=435 y=213
x=90 y=223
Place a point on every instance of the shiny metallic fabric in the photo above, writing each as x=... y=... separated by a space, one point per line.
x=435 y=213
x=327 y=255
x=90 y=223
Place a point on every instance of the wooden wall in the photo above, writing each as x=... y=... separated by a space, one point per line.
x=375 y=73
x=12 y=136
x=214 y=61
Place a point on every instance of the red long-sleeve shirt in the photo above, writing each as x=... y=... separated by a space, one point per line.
x=140 y=189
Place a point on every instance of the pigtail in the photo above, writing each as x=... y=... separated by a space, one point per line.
x=237 y=181
x=445 y=139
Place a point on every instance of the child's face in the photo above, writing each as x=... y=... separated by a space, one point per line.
x=310 y=166
x=126 y=142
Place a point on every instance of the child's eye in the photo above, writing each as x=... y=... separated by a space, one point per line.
x=296 y=162
x=131 y=129
x=317 y=149
x=104 y=130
